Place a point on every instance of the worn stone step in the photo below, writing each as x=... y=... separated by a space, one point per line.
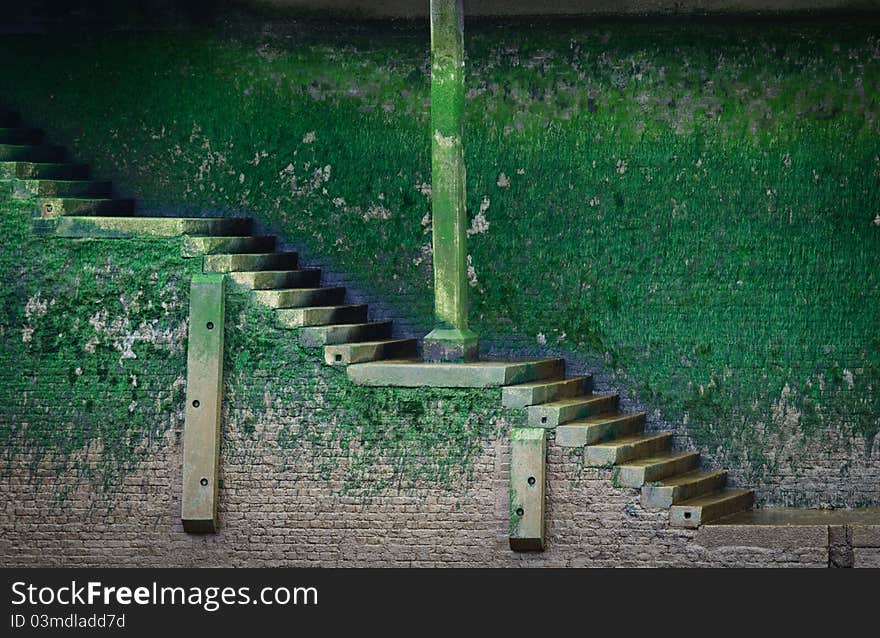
x=300 y=297
x=20 y=135
x=478 y=374
x=127 y=227
x=627 y=448
x=100 y=206
x=526 y=394
x=352 y=353
x=27 y=188
x=599 y=428
x=31 y=153
x=549 y=415
x=322 y=315
x=43 y=170
x=640 y=471
x=681 y=487
x=197 y=246
x=710 y=507
x=315 y=336
x=250 y=261
x=277 y=279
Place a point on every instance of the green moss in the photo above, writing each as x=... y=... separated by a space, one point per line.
x=91 y=348
x=695 y=206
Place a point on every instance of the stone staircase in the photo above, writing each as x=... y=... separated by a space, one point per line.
x=71 y=204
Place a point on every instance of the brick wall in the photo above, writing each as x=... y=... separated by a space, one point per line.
x=276 y=510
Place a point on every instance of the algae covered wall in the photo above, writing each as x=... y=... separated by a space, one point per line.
x=689 y=209
x=314 y=471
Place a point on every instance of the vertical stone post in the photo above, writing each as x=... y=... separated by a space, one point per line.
x=450 y=340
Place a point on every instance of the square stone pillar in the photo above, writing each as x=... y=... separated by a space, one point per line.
x=451 y=340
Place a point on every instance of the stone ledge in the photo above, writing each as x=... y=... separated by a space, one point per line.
x=479 y=374
x=762 y=536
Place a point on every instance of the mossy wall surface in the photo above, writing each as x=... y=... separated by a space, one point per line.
x=93 y=370
x=695 y=203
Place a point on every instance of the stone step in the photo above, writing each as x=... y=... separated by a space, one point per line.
x=526 y=394
x=549 y=415
x=637 y=473
x=127 y=227
x=300 y=297
x=627 y=448
x=315 y=336
x=277 y=279
x=102 y=207
x=710 y=507
x=353 y=353
x=27 y=188
x=477 y=374
x=20 y=135
x=322 y=315
x=31 y=153
x=9 y=118
x=197 y=246
x=250 y=261
x=43 y=170
x=682 y=487
x=599 y=428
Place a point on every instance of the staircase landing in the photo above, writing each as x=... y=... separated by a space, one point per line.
x=478 y=374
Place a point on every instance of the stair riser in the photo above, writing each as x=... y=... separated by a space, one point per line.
x=60 y=207
x=300 y=298
x=581 y=435
x=665 y=496
x=637 y=476
x=302 y=317
x=602 y=456
x=693 y=517
x=28 y=153
x=27 y=188
x=332 y=335
x=37 y=170
x=268 y=280
x=20 y=135
x=233 y=263
x=198 y=246
x=343 y=355
x=542 y=416
x=515 y=397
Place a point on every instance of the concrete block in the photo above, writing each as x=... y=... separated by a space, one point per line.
x=528 y=453
x=353 y=353
x=787 y=537
x=479 y=374
x=204 y=395
x=126 y=227
x=866 y=535
x=526 y=394
x=868 y=557
x=600 y=428
x=549 y=415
